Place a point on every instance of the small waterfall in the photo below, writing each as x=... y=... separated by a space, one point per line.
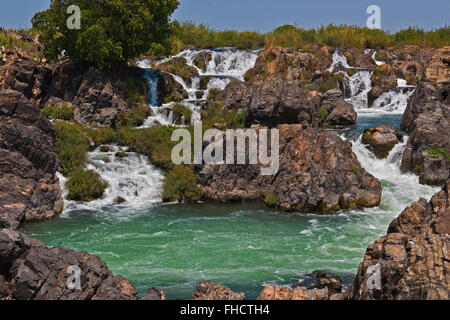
x=151 y=77
x=132 y=178
x=394 y=101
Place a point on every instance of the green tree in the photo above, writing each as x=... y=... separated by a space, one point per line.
x=112 y=31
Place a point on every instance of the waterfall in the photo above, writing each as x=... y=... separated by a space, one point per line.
x=132 y=178
x=358 y=86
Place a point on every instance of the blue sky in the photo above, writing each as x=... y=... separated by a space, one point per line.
x=265 y=15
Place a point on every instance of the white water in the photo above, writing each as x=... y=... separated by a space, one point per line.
x=359 y=85
x=133 y=178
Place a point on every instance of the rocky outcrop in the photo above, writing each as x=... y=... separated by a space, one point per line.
x=413 y=258
x=178 y=66
x=170 y=90
x=154 y=294
x=427 y=120
x=98 y=95
x=318 y=172
x=31 y=271
x=299 y=293
x=288 y=87
x=322 y=280
x=382 y=139
x=383 y=79
x=214 y=291
x=29 y=188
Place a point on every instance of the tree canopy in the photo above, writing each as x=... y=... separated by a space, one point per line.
x=111 y=31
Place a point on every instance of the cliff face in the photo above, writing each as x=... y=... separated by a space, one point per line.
x=413 y=259
x=427 y=120
x=29 y=188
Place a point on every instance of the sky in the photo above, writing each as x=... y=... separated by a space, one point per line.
x=265 y=15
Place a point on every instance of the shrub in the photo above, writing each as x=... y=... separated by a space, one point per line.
x=213 y=93
x=181 y=185
x=59 y=112
x=100 y=135
x=71 y=146
x=323 y=114
x=181 y=111
x=435 y=152
x=85 y=185
x=135 y=117
x=271 y=199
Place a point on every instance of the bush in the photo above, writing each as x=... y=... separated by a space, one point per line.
x=71 y=146
x=271 y=199
x=112 y=32
x=135 y=117
x=180 y=111
x=85 y=185
x=100 y=135
x=59 y=112
x=181 y=185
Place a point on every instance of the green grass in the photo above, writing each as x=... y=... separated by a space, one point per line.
x=181 y=185
x=435 y=152
x=271 y=199
x=135 y=117
x=200 y=36
x=9 y=40
x=85 y=185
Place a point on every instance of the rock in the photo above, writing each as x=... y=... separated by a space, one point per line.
x=36 y=272
x=299 y=293
x=178 y=66
x=29 y=188
x=413 y=258
x=357 y=58
x=318 y=172
x=154 y=294
x=120 y=200
x=382 y=140
x=427 y=121
x=324 y=280
x=288 y=87
x=121 y=154
x=104 y=149
x=214 y=291
x=384 y=79
x=170 y=90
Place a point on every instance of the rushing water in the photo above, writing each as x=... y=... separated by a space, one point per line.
x=175 y=246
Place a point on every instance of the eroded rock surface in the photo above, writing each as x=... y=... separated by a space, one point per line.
x=413 y=258
x=299 y=293
x=382 y=140
x=29 y=188
x=214 y=291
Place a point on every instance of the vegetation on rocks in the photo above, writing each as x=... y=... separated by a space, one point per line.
x=59 y=112
x=85 y=185
x=434 y=152
x=135 y=117
x=181 y=111
x=181 y=185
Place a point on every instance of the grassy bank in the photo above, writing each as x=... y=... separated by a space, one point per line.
x=190 y=35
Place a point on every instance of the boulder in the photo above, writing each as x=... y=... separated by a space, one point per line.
x=29 y=187
x=154 y=294
x=299 y=293
x=170 y=90
x=318 y=172
x=413 y=258
x=214 y=291
x=33 y=271
x=322 y=280
x=382 y=139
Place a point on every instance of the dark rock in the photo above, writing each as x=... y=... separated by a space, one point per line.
x=324 y=280
x=154 y=294
x=318 y=172
x=382 y=140
x=413 y=258
x=214 y=291
x=29 y=188
x=169 y=89
x=35 y=272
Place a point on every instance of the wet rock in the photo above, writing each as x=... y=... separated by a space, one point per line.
x=170 y=90
x=299 y=293
x=318 y=172
x=383 y=79
x=214 y=291
x=29 y=188
x=358 y=58
x=178 y=66
x=120 y=200
x=36 y=272
x=382 y=140
x=154 y=294
x=412 y=259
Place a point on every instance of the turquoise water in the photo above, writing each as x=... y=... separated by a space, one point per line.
x=242 y=246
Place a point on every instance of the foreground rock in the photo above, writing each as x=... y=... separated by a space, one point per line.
x=299 y=293
x=427 y=120
x=214 y=291
x=382 y=140
x=318 y=172
x=29 y=188
x=31 y=271
x=413 y=258
x=322 y=280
